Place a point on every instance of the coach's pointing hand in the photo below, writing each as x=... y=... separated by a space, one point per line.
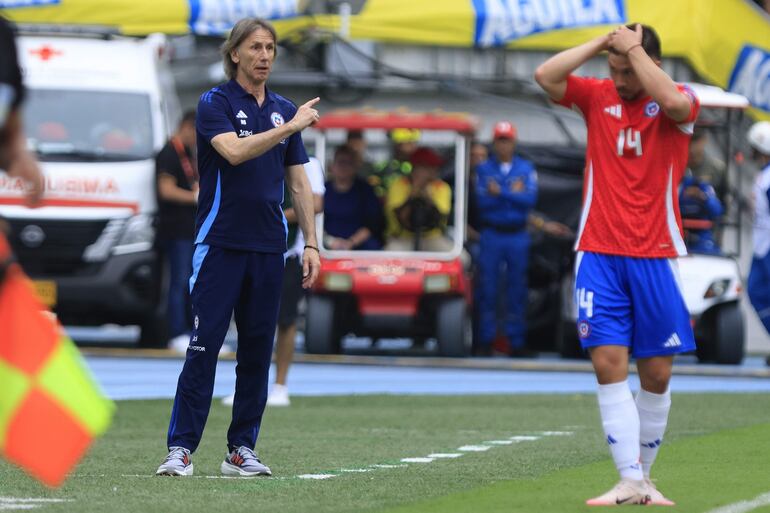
x=306 y=115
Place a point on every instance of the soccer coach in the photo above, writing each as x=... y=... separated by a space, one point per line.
x=248 y=142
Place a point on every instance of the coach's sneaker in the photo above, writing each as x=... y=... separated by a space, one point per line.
x=177 y=463
x=627 y=491
x=244 y=462
x=656 y=498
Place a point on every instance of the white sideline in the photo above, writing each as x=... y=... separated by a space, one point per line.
x=26 y=503
x=403 y=463
x=744 y=506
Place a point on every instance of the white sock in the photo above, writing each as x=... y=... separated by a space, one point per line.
x=653 y=417
x=620 y=420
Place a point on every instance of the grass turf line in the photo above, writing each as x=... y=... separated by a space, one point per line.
x=698 y=473
x=325 y=435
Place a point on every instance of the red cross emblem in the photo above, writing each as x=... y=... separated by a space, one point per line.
x=45 y=52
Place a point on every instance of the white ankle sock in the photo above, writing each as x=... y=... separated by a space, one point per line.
x=620 y=420
x=653 y=417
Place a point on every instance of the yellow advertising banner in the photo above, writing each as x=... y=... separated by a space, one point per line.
x=141 y=17
x=727 y=42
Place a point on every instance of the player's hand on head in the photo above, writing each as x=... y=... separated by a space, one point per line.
x=311 y=266
x=306 y=114
x=622 y=39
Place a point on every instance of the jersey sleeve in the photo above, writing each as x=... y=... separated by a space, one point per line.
x=694 y=104
x=579 y=93
x=212 y=118
x=167 y=162
x=295 y=148
x=315 y=175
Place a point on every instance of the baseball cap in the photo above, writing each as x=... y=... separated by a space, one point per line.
x=759 y=137
x=424 y=156
x=504 y=130
x=404 y=135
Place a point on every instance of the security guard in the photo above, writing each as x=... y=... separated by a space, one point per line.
x=506 y=189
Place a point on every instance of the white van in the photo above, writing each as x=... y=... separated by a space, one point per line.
x=97 y=111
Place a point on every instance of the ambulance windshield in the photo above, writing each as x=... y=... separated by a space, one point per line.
x=75 y=125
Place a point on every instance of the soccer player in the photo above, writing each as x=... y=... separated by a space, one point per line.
x=249 y=142
x=626 y=278
x=15 y=159
x=759 y=276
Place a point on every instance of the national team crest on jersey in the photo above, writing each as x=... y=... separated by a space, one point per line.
x=584 y=329
x=651 y=109
x=277 y=119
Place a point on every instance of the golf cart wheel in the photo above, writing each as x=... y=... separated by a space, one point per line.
x=321 y=336
x=454 y=331
x=726 y=336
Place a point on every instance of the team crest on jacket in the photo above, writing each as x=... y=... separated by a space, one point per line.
x=651 y=109
x=277 y=119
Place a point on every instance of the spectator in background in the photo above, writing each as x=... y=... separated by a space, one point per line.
x=404 y=143
x=759 y=276
x=704 y=167
x=352 y=213
x=417 y=206
x=506 y=189
x=177 y=183
x=479 y=154
x=699 y=202
x=356 y=141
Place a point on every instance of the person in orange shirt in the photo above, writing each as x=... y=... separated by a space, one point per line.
x=417 y=206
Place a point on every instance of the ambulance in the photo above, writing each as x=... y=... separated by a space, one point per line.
x=97 y=111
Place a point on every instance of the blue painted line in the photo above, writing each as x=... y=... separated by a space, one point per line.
x=135 y=378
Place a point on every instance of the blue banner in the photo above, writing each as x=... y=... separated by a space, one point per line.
x=8 y=4
x=751 y=76
x=501 y=21
x=216 y=17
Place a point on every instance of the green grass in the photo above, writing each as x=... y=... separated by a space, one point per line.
x=715 y=453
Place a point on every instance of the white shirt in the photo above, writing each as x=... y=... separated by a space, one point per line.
x=762 y=213
x=315 y=175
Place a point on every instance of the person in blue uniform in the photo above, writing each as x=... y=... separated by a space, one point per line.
x=759 y=276
x=506 y=191
x=248 y=143
x=698 y=201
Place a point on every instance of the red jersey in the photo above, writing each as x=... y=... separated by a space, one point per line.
x=635 y=159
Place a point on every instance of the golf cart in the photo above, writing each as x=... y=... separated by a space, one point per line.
x=711 y=284
x=415 y=294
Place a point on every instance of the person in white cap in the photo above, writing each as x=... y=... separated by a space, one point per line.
x=759 y=276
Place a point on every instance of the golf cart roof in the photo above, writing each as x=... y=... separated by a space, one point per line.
x=384 y=120
x=715 y=97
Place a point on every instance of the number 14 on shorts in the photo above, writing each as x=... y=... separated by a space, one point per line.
x=585 y=301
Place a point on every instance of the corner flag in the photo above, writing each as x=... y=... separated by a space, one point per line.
x=50 y=407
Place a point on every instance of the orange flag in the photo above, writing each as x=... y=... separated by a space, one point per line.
x=50 y=407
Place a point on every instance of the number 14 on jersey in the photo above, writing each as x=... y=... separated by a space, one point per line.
x=629 y=139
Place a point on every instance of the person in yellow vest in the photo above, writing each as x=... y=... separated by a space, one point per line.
x=417 y=206
x=384 y=174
